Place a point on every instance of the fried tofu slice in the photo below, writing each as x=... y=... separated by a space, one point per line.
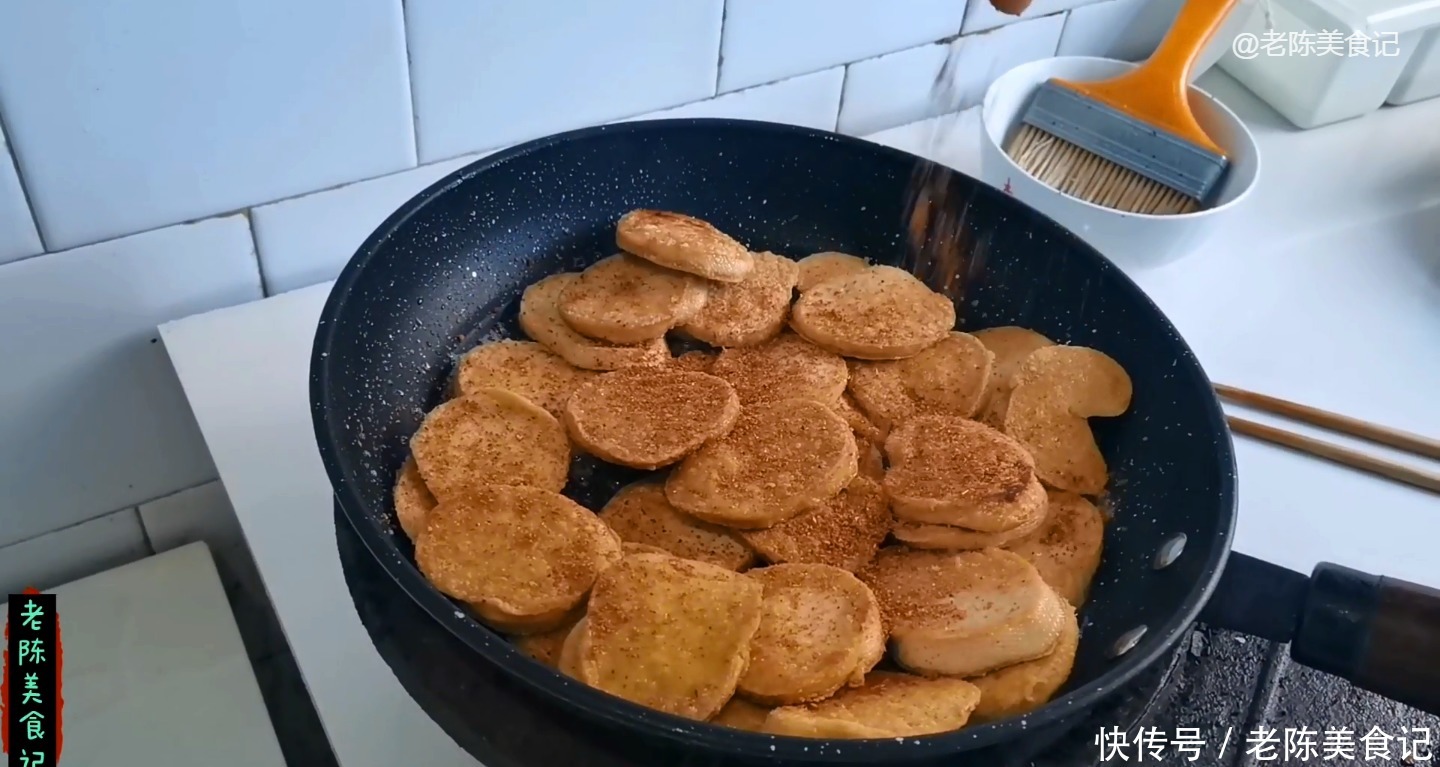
x=946 y=470
x=964 y=613
x=781 y=459
x=541 y=320
x=684 y=243
x=1010 y=345
x=627 y=300
x=640 y=514
x=949 y=377
x=843 y=532
x=490 y=437
x=741 y=714
x=668 y=633
x=820 y=630
x=860 y=423
x=649 y=417
x=828 y=265
x=1024 y=687
x=521 y=557
x=918 y=535
x=888 y=705
x=881 y=313
x=413 y=500
x=786 y=367
x=546 y=646
x=749 y=312
x=1057 y=389
x=1066 y=550
x=523 y=367
x=630 y=547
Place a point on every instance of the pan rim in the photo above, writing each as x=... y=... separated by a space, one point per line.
x=587 y=702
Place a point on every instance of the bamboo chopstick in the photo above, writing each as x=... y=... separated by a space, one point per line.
x=1412 y=443
x=1344 y=456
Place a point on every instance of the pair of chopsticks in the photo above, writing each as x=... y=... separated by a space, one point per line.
x=1415 y=444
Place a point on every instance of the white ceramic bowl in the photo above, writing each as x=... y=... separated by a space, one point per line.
x=1130 y=240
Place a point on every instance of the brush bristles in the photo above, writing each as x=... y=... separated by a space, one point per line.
x=1073 y=170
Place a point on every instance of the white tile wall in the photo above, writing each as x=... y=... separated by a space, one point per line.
x=812 y=100
x=897 y=88
x=73 y=552
x=952 y=140
x=129 y=116
x=769 y=40
x=1118 y=29
x=306 y=240
x=980 y=16
x=126 y=119
x=488 y=74
x=18 y=237
x=92 y=415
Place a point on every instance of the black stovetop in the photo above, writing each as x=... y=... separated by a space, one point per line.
x=1224 y=699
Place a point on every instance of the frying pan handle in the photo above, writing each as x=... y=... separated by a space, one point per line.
x=1382 y=634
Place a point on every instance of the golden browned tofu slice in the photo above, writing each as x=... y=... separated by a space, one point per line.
x=648 y=417
x=749 y=312
x=1067 y=548
x=1056 y=390
x=741 y=714
x=820 y=630
x=946 y=470
x=490 y=437
x=881 y=313
x=845 y=531
x=684 y=243
x=781 y=459
x=1010 y=345
x=523 y=367
x=524 y=558
x=965 y=613
x=627 y=300
x=1024 y=687
x=888 y=705
x=947 y=378
x=668 y=633
x=640 y=514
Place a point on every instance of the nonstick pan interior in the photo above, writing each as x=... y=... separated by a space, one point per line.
x=447 y=270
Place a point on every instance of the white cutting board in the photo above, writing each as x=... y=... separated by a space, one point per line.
x=155 y=671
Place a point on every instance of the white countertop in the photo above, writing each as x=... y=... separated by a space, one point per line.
x=1327 y=293
x=155 y=671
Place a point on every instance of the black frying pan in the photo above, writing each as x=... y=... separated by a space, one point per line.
x=447 y=269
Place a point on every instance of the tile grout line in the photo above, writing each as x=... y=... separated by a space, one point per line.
x=255 y=251
x=97 y=517
x=135 y=508
x=24 y=188
x=410 y=85
x=144 y=531
x=720 y=52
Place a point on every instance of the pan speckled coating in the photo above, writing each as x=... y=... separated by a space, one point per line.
x=447 y=269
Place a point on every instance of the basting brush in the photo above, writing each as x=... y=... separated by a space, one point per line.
x=1130 y=142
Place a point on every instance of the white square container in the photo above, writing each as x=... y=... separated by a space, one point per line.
x=1322 y=61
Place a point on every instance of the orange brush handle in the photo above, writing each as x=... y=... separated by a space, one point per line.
x=1156 y=92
